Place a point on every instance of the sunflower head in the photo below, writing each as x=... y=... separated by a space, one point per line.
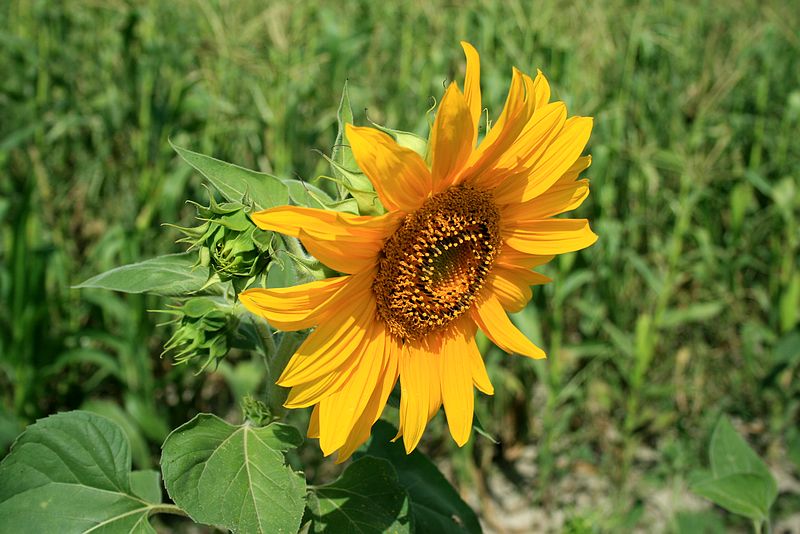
x=435 y=263
x=452 y=253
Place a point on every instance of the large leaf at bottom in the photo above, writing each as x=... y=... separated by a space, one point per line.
x=367 y=498
x=234 y=476
x=435 y=505
x=71 y=472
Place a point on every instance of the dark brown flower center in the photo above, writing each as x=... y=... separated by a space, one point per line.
x=431 y=268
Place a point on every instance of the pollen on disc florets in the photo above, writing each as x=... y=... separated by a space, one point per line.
x=432 y=267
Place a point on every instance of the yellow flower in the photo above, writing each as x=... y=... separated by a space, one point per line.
x=453 y=253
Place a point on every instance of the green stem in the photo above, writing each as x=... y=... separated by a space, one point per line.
x=276 y=395
x=265 y=335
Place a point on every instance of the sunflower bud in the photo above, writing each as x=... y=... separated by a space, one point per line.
x=229 y=244
x=255 y=411
x=204 y=332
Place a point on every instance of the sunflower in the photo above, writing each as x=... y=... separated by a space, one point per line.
x=453 y=253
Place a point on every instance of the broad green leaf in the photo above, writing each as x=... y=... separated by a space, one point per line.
x=367 y=498
x=341 y=153
x=147 y=485
x=435 y=505
x=237 y=183
x=747 y=494
x=110 y=410
x=71 y=472
x=730 y=454
x=234 y=476
x=172 y=275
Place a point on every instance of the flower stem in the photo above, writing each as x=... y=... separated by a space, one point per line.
x=276 y=395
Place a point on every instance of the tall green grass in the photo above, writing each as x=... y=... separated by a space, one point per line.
x=684 y=309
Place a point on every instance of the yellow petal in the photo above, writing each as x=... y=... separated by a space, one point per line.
x=562 y=197
x=479 y=375
x=340 y=411
x=400 y=176
x=313 y=424
x=344 y=242
x=512 y=258
x=559 y=156
x=515 y=101
x=290 y=220
x=311 y=393
x=419 y=377
x=333 y=342
x=455 y=374
x=513 y=164
x=293 y=308
x=550 y=236
x=536 y=137
x=451 y=138
x=492 y=319
x=513 y=286
x=346 y=254
x=374 y=408
x=541 y=90
x=472 y=86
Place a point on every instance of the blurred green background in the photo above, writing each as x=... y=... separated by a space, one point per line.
x=687 y=308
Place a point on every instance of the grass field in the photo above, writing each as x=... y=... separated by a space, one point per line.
x=687 y=308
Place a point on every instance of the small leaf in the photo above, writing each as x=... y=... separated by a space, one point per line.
x=71 y=472
x=342 y=154
x=359 y=186
x=172 y=275
x=237 y=183
x=234 y=476
x=746 y=494
x=366 y=498
x=407 y=140
x=305 y=194
x=435 y=505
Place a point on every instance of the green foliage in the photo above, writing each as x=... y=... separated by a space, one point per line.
x=169 y=275
x=435 y=505
x=229 y=244
x=204 y=331
x=686 y=306
x=740 y=481
x=236 y=183
x=234 y=476
x=72 y=473
x=367 y=498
